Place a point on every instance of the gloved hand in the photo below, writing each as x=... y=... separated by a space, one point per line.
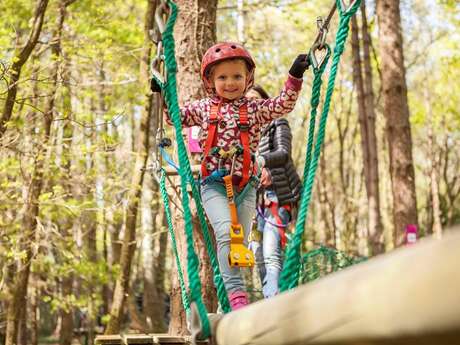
x=300 y=65
x=154 y=86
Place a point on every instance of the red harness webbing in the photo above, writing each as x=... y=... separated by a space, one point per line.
x=210 y=139
x=281 y=229
x=243 y=125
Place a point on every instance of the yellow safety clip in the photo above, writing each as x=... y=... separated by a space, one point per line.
x=239 y=255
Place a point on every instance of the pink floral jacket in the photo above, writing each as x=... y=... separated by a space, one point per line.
x=260 y=113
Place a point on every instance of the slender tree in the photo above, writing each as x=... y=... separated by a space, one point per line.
x=31 y=204
x=434 y=167
x=396 y=110
x=128 y=246
x=368 y=138
x=372 y=187
x=19 y=61
x=154 y=260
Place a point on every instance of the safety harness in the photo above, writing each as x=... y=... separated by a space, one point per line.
x=239 y=255
x=243 y=125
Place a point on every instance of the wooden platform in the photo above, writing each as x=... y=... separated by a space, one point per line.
x=140 y=339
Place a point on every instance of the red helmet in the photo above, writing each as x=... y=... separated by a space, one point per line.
x=223 y=51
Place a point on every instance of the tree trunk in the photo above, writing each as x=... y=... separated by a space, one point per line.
x=22 y=328
x=66 y=314
x=154 y=264
x=366 y=116
x=66 y=332
x=434 y=184
x=359 y=84
x=195 y=32
x=128 y=246
x=31 y=204
x=156 y=241
x=240 y=27
x=20 y=59
x=396 y=111
x=33 y=316
x=373 y=192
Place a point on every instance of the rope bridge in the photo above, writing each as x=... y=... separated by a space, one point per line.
x=293 y=264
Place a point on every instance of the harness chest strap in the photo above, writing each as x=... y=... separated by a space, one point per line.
x=210 y=139
x=244 y=136
x=243 y=125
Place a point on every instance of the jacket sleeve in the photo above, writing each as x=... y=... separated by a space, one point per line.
x=272 y=108
x=191 y=113
x=281 y=152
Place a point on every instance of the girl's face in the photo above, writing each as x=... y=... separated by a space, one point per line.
x=229 y=79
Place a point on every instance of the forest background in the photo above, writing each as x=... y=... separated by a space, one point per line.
x=79 y=209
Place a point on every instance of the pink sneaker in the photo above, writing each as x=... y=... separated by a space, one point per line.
x=238 y=299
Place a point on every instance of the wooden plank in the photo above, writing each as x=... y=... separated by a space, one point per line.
x=138 y=339
x=141 y=339
x=168 y=339
x=113 y=339
x=409 y=296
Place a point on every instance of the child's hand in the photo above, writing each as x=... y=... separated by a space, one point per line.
x=300 y=65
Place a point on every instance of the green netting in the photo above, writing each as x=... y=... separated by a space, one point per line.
x=324 y=260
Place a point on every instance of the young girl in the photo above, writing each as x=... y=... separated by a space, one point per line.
x=230 y=122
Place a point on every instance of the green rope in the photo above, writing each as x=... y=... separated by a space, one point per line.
x=171 y=66
x=170 y=90
x=164 y=195
x=315 y=96
x=290 y=274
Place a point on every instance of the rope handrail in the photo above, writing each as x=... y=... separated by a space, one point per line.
x=290 y=273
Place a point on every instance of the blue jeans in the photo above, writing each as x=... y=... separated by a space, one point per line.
x=215 y=204
x=271 y=250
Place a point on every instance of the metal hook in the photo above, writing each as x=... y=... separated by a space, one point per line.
x=346 y=8
x=318 y=61
x=161 y=11
x=322 y=31
x=323 y=27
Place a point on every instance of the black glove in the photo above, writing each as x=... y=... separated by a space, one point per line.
x=300 y=65
x=154 y=86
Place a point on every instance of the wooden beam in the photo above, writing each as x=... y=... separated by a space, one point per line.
x=170 y=171
x=142 y=339
x=139 y=339
x=409 y=296
x=113 y=339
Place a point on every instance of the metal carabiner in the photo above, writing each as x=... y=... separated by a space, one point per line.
x=323 y=26
x=317 y=61
x=161 y=11
x=322 y=32
x=344 y=8
x=157 y=63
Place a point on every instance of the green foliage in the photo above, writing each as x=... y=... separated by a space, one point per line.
x=15 y=23
x=88 y=160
